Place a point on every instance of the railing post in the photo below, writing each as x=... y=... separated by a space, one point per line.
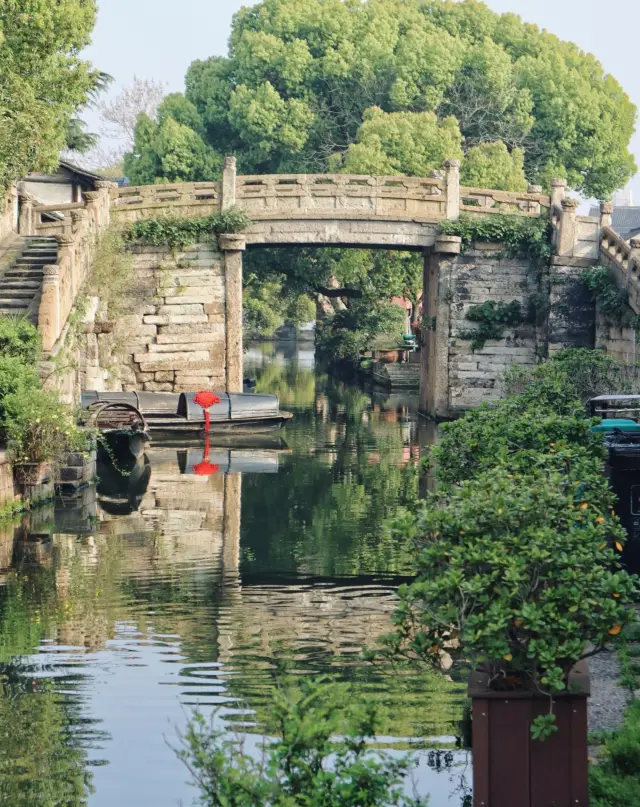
x=534 y=206
x=49 y=311
x=232 y=247
x=558 y=192
x=606 y=213
x=567 y=238
x=26 y=219
x=452 y=179
x=228 y=183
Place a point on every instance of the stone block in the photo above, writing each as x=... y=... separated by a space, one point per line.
x=176 y=310
x=180 y=348
x=192 y=337
x=216 y=308
x=159 y=363
x=186 y=383
x=191 y=298
x=173 y=357
x=191 y=328
x=178 y=319
x=143 y=378
x=153 y=386
x=165 y=376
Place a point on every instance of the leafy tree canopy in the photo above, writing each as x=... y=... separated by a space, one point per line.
x=400 y=85
x=43 y=81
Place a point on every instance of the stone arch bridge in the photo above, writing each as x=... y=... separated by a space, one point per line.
x=183 y=324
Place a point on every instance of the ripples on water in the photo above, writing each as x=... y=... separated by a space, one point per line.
x=113 y=625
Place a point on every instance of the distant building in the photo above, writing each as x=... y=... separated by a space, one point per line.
x=625 y=220
x=63 y=186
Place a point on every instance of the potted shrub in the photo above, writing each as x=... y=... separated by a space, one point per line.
x=41 y=430
x=519 y=580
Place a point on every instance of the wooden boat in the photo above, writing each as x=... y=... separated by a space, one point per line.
x=178 y=412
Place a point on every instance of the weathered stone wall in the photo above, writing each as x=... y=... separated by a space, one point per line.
x=454 y=377
x=477 y=277
x=173 y=335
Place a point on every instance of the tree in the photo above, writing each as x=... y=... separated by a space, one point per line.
x=43 y=81
x=492 y=165
x=309 y=82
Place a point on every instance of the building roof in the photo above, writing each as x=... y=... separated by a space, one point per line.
x=81 y=172
x=625 y=220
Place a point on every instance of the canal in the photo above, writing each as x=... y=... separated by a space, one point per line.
x=120 y=616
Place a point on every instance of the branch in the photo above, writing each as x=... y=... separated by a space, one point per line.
x=338 y=292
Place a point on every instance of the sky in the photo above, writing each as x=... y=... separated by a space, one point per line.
x=160 y=38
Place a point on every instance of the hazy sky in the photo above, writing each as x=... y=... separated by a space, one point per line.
x=159 y=38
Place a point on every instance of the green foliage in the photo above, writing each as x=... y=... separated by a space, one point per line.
x=306 y=763
x=16 y=377
x=583 y=374
x=177 y=233
x=492 y=165
x=266 y=308
x=413 y=143
x=351 y=331
x=19 y=338
x=517 y=234
x=41 y=428
x=42 y=80
x=170 y=151
x=492 y=318
x=518 y=571
x=304 y=84
x=612 y=301
x=111 y=271
x=615 y=781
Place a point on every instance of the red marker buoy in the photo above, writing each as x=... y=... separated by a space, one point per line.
x=206 y=468
x=206 y=400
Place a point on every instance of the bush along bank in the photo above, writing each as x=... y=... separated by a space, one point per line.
x=518 y=571
x=38 y=429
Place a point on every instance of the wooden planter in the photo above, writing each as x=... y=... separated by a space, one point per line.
x=510 y=769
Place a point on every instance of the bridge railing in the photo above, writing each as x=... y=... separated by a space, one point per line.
x=483 y=201
x=328 y=196
x=341 y=196
x=182 y=198
x=76 y=231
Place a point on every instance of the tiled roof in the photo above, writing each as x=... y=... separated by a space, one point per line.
x=625 y=220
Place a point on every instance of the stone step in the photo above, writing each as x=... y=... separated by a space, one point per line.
x=16 y=294
x=36 y=261
x=18 y=284
x=10 y=303
x=14 y=274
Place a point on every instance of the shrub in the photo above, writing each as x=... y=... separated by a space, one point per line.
x=350 y=332
x=16 y=377
x=41 y=428
x=518 y=574
x=615 y=782
x=305 y=764
x=19 y=339
x=583 y=373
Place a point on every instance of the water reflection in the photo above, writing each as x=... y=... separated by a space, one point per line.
x=166 y=588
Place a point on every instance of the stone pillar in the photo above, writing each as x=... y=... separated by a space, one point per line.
x=452 y=177
x=634 y=259
x=434 y=372
x=228 y=184
x=567 y=235
x=92 y=200
x=558 y=191
x=606 y=213
x=67 y=262
x=26 y=220
x=49 y=311
x=534 y=206
x=232 y=247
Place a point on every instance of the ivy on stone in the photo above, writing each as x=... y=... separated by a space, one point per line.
x=176 y=232
x=611 y=300
x=492 y=318
x=517 y=234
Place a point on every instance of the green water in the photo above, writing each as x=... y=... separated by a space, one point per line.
x=116 y=621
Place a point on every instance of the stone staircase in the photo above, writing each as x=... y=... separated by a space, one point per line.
x=21 y=282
